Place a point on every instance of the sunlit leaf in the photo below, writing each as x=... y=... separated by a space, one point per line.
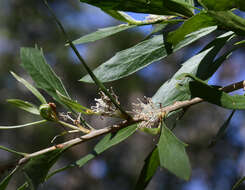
x=30 y=87
x=201 y=20
x=102 y=33
x=201 y=65
x=27 y=106
x=34 y=63
x=172 y=154
x=227 y=20
x=129 y=61
x=149 y=169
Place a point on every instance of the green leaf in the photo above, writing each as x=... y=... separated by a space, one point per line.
x=184 y=7
x=24 y=125
x=223 y=5
x=4 y=183
x=172 y=154
x=227 y=20
x=149 y=169
x=102 y=33
x=201 y=65
x=34 y=63
x=159 y=7
x=107 y=142
x=37 y=168
x=222 y=130
x=30 y=87
x=27 y=106
x=129 y=61
x=152 y=131
x=199 y=88
x=73 y=104
x=197 y=22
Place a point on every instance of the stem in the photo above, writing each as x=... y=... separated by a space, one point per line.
x=73 y=142
x=95 y=79
x=13 y=151
x=24 y=125
x=82 y=129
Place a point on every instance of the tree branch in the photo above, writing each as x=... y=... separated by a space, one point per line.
x=93 y=134
x=96 y=133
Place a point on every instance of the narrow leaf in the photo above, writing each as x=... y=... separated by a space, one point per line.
x=199 y=88
x=4 y=183
x=129 y=61
x=201 y=65
x=34 y=63
x=227 y=20
x=24 y=125
x=157 y=7
x=102 y=33
x=30 y=87
x=149 y=169
x=172 y=154
x=73 y=104
x=37 y=168
x=222 y=130
x=27 y=106
x=197 y=22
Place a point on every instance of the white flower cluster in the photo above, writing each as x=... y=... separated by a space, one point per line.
x=104 y=105
x=149 y=113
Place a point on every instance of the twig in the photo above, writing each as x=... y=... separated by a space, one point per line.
x=96 y=133
x=233 y=87
x=70 y=143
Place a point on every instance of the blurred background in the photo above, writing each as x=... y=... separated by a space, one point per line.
x=27 y=22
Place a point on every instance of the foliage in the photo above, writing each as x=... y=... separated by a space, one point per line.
x=188 y=86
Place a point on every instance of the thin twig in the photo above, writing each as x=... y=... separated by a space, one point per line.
x=96 y=133
x=70 y=143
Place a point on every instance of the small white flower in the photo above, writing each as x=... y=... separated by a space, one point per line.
x=104 y=105
x=148 y=112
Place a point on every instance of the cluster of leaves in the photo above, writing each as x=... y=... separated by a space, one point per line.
x=189 y=81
